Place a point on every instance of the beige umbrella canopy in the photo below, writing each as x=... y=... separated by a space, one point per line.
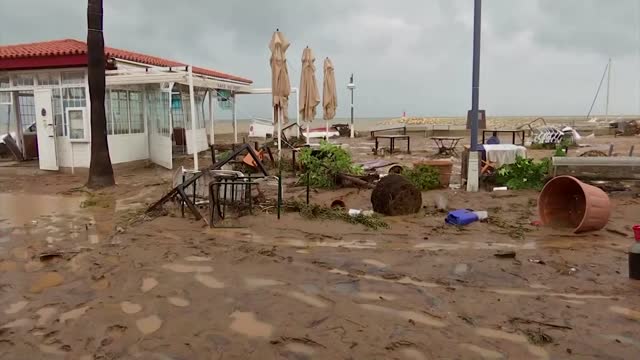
x=329 y=94
x=309 y=96
x=280 y=86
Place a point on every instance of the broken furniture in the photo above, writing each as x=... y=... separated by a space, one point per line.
x=285 y=140
x=626 y=127
x=229 y=189
x=521 y=135
x=395 y=128
x=547 y=134
x=343 y=129
x=446 y=144
x=181 y=191
x=392 y=141
x=13 y=147
x=190 y=182
x=235 y=153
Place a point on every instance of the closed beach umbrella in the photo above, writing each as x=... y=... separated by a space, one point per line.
x=329 y=95
x=280 y=86
x=309 y=95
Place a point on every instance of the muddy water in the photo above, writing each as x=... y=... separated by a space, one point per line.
x=247 y=324
x=628 y=313
x=514 y=338
x=17 y=209
x=406 y=315
x=149 y=324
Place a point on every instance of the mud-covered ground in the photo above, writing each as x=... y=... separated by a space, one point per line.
x=82 y=278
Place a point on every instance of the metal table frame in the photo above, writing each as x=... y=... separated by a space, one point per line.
x=392 y=141
x=446 y=149
x=512 y=132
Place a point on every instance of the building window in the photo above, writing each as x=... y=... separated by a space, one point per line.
x=4 y=82
x=74 y=97
x=136 y=112
x=77 y=123
x=119 y=112
x=5 y=97
x=23 y=80
x=48 y=79
x=73 y=78
x=125 y=112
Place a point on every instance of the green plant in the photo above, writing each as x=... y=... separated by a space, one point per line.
x=223 y=155
x=317 y=212
x=424 y=177
x=560 y=151
x=523 y=174
x=324 y=164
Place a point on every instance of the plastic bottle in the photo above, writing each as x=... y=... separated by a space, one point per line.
x=634 y=255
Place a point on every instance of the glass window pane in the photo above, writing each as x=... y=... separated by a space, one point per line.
x=73 y=78
x=136 y=112
x=119 y=106
x=4 y=82
x=72 y=97
x=5 y=97
x=76 y=124
x=23 y=80
x=56 y=101
x=48 y=79
x=107 y=110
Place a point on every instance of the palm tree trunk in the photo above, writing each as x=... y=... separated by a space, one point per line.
x=100 y=169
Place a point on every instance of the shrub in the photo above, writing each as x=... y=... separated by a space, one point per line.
x=423 y=177
x=324 y=164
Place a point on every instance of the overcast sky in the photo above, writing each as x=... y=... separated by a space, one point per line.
x=539 y=57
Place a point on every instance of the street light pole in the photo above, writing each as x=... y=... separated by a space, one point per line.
x=351 y=86
x=475 y=89
x=473 y=168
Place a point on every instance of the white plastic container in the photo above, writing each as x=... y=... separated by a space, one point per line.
x=482 y=215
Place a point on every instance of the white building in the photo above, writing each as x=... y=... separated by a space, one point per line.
x=149 y=103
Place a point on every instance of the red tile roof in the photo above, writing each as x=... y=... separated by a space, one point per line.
x=69 y=47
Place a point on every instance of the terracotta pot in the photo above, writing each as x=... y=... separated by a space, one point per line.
x=444 y=166
x=568 y=202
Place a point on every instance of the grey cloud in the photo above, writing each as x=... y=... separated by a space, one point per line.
x=411 y=55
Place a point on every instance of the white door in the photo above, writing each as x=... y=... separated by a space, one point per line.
x=45 y=129
x=159 y=124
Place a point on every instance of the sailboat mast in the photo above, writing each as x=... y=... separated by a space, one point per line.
x=606 y=109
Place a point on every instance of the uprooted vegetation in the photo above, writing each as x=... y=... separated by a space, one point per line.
x=524 y=174
x=318 y=212
x=322 y=166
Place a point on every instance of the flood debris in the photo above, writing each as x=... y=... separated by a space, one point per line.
x=395 y=195
x=519 y=320
x=505 y=254
x=301 y=340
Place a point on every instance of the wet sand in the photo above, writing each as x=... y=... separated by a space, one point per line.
x=107 y=287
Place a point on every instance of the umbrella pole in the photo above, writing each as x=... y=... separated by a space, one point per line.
x=308 y=131
x=326 y=130
x=279 y=114
x=277 y=110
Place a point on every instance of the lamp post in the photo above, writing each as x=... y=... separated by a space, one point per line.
x=351 y=86
x=472 y=173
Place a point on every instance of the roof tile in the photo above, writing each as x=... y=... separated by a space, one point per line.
x=75 y=47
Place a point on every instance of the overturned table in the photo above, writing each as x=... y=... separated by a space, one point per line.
x=446 y=144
